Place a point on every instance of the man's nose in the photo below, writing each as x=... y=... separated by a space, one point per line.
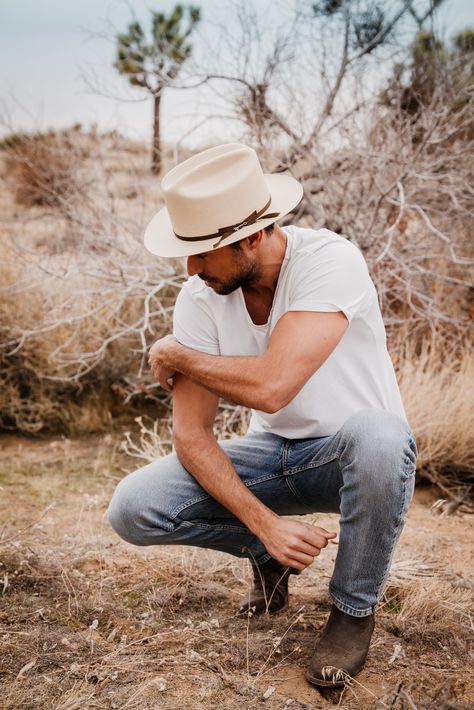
x=194 y=265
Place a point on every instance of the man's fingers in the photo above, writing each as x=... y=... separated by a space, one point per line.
x=162 y=375
x=318 y=536
x=167 y=383
x=320 y=531
x=296 y=544
x=308 y=548
x=326 y=533
x=315 y=540
x=300 y=561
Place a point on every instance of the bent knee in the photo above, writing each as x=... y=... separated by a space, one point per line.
x=137 y=511
x=142 y=509
x=379 y=431
x=124 y=515
x=381 y=444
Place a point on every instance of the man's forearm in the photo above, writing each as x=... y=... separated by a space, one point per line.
x=291 y=542
x=202 y=456
x=238 y=379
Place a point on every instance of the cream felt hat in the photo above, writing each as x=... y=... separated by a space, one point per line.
x=215 y=198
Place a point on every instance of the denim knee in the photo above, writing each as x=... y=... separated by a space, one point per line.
x=380 y=445
x=125 y=513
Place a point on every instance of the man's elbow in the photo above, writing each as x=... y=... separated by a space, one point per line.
x=272 y=399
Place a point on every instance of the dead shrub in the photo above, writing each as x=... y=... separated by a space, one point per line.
x=46 y=168
x=75 y=321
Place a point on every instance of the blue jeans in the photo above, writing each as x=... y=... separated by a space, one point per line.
x=365 y=472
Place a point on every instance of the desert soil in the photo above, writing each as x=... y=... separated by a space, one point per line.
x=87 y=621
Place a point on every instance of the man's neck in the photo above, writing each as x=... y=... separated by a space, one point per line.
x=271 y=260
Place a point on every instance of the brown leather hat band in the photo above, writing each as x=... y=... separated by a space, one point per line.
x=224 y=232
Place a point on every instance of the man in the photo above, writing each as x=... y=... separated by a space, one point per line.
x=286 y=322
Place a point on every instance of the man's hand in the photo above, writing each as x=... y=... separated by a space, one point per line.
x=292 y=543
x=160 y=361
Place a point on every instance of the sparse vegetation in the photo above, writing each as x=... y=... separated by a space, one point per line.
x=89 y=621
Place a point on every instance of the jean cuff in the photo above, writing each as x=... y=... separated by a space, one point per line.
x=350 y=610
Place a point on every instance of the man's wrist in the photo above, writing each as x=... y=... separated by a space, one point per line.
x=260 y=519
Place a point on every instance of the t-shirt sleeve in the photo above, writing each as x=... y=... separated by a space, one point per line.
x=193 y=324
x=334 y=278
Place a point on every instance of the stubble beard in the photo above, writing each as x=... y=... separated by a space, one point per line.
x=248 y=275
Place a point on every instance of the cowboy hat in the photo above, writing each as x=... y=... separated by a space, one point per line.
x=215 y=198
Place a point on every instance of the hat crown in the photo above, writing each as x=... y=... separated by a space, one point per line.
x=218 y=187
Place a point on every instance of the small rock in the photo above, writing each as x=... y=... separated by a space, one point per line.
x=160 y=684
x=269 y=692
x=397 y=653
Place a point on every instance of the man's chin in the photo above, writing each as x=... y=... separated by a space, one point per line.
x=214 y=285
x=221 y=289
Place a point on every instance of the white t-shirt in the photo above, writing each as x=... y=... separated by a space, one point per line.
x=321 y=271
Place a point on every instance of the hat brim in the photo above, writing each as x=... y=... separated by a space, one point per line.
x=160 y=239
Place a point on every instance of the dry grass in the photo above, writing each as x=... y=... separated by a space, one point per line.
x=437 y=385
x=431 y=611
x=88 y=621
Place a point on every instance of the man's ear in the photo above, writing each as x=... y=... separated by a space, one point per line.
x=256 y=239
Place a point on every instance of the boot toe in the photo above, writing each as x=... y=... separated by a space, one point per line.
x=328 y=677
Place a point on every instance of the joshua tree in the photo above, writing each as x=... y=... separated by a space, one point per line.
x=154 y=64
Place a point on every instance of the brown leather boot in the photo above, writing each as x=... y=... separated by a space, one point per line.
x=341 y=650
x=270 y=589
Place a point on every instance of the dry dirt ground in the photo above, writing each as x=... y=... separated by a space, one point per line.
x=87 y=621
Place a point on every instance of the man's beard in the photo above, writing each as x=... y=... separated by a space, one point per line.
x=248 y=274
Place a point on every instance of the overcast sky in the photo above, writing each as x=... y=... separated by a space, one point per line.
x=48 y=46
